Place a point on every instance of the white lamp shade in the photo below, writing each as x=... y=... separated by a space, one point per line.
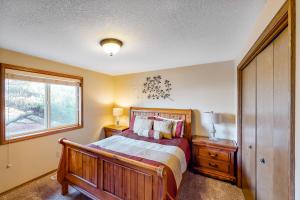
x=211 y=117
x=117 y=112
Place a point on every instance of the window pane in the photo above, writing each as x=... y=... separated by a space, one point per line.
x=24 y=107
x=64 y=105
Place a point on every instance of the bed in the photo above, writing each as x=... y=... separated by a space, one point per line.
x=119 y=167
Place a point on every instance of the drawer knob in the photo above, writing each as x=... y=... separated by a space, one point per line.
x=213 y=165
x=250 y=146
x=213 y=155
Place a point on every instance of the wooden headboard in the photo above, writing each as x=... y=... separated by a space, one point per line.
x=184 y=114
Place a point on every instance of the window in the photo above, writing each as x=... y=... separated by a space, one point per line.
x=38 y=103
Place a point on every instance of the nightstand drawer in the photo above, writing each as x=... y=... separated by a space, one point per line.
x=213 y=164
x=214 y=154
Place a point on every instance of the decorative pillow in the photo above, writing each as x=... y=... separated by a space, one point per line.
x=133 y=117
x=165 y=127
x=157 y=135
x=144 y=133
x=151 y=134
x=141 y=124
x=178 y=126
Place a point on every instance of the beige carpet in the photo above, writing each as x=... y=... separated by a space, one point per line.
x=194 y=187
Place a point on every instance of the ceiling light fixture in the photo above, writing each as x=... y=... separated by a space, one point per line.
x=111 y=45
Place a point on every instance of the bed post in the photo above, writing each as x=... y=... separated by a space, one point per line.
x=61 y=170
x=64 y=188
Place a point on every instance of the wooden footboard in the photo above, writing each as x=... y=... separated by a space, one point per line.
x=104 y=175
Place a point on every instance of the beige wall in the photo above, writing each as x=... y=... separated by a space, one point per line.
x=201 y=88
x=269 y=11
x=35 y=157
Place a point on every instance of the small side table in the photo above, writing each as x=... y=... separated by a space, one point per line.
x=114 y=129
x=215 y=158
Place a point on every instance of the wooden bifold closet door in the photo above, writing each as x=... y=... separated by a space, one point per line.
x=266 y=123
x=249 y=130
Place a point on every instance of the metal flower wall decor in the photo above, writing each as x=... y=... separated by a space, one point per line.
x=156 y=88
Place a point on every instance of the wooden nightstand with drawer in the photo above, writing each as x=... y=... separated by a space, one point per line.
x=214 y=158
x=114 y=129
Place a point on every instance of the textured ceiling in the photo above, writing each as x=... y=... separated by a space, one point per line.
x=157 y=34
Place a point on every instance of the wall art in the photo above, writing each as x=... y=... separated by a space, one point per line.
x=155 y=88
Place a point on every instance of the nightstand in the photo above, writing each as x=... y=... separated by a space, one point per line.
x=214 y=158
x=113 y=129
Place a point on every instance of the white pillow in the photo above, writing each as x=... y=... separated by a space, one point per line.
x=165 y=127
x=141 y=124
x=175 y=123
x=143 y=132
x=157 y=135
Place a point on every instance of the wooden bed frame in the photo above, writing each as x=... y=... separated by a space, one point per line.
x=103 y=175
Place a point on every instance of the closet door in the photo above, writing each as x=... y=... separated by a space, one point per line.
x=282 y=129
x=265 y=125
x=249 y=130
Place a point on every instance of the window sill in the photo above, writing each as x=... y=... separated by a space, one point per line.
x=40 y=134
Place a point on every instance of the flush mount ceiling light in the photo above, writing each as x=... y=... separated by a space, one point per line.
x=111 y=45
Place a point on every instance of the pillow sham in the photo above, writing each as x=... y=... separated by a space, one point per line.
x=165 y=127
x=141 y=124
x=133 y=117
x=178 y=126
x=151 y=134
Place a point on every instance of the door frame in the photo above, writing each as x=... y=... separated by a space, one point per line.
x=285 y=17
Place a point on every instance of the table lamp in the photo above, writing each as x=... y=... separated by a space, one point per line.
x=212 y=119
x=117 y=112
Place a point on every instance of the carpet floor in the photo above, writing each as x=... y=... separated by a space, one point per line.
x=194 y=187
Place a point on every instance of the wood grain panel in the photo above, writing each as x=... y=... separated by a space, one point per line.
x=249 y=130
x=141 y=186
x=133 y=185
x=156 y=193
x=126 y=181
x=75 y=165
x=86 y=171
x=118 y=181
x=78 y=167
x=108 y=176
x=72 y=161
x=213 y=164
x=282 y=119
x=89 y=168
x=148 y=187
x=215 y=154
x=265 y=125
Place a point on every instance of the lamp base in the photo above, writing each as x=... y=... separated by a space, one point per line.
x=118 y=123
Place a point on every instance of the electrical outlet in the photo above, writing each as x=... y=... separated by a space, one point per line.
x=8 y=165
